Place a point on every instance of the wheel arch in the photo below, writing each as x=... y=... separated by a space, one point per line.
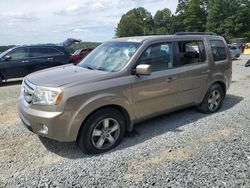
x=117 y=107
x=97 y=103
x=223 y=86
x=220 y=81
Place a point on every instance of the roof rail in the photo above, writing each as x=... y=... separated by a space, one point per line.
x=195 y=33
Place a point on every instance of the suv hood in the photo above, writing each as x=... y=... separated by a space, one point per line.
x=63 y=75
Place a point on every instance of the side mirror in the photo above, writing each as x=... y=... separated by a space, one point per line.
x=143 y=69
x=7 y=58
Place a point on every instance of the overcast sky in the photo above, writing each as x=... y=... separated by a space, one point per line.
x=52 y=21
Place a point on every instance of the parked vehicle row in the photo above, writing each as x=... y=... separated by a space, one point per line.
x=235 y=51
x=122 y=82
x=20 y=61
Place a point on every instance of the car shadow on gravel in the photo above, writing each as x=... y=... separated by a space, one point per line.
x=172 y=121
x=63 y=149
x=11 y=83
x=144 y=130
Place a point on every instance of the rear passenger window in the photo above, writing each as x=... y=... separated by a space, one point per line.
x=190 y=52
x=43 y=52
x=159 y=56
x=52 y=51
x=218 y=50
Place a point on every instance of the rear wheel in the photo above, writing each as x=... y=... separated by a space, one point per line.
x=213 y=100
x=102 y=131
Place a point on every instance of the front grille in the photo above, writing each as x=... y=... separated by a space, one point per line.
x=28 y=91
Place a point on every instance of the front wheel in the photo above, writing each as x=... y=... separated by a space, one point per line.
x=102 y=131
x=213 y=100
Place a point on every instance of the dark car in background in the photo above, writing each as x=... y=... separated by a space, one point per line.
x=80 y=54
x=22 y=60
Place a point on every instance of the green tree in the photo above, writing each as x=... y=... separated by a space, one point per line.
x=162 y=21
x=176 y=24
x=194 y=16
x=190 y=12
x=135 y=22
x=181 y=7
x=177 y=20
x=230 y=18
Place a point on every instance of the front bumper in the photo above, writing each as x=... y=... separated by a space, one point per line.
x=54 y=125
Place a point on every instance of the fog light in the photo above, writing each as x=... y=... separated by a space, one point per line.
x=44 y=130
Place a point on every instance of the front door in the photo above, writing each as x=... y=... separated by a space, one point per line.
x=15 y=65
x=44 y=57
x=155 y=93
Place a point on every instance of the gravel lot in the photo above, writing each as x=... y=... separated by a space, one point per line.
x=182 y=149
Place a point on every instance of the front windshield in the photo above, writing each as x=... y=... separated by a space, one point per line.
x=4 y=53
x=110 y=56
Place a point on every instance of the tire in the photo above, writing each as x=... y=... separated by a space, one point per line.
x=213 y=100
x=102 y=131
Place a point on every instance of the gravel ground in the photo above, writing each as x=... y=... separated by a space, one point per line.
x=182 y=149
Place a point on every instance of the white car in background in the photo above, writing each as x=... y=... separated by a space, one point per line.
x=235 y=51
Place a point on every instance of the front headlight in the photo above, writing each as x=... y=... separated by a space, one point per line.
x=47 y=96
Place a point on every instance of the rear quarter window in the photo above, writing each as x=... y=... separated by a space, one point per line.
x=218 y=50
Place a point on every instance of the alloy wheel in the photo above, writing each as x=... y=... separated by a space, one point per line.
x=105 y=133
x=214 y=100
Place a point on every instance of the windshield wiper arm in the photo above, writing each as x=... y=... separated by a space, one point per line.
x=90 y=67
x=95 y=68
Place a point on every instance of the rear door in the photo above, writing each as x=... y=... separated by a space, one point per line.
x=38 y=58
x=59 y=56
x=44 y=57
x=16 y=66
x=192 y=70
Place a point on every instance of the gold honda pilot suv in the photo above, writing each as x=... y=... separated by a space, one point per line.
x=122 y=82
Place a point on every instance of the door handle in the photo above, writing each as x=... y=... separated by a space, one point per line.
x=50 y=58
x=25 y=61
x=206 y=71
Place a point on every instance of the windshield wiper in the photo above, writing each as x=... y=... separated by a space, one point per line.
x=90 y=67
x=102 y=69
x=94 y=68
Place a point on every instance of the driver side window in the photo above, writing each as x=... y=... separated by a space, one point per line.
x=159 y=56
x=16 y=54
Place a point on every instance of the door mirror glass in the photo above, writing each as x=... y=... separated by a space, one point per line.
x=143 y=69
